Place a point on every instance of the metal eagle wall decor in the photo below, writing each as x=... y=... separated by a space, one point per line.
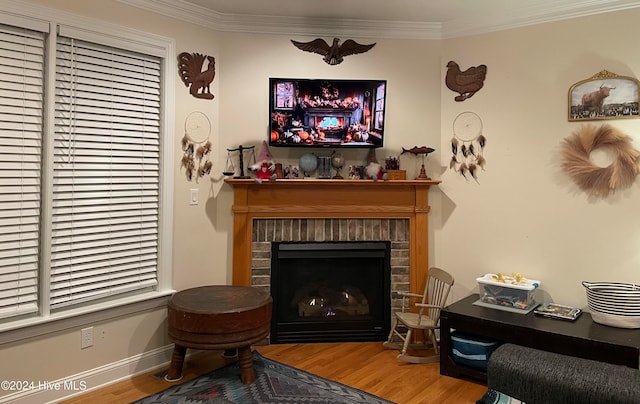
x=333 y=54
x=190 y=67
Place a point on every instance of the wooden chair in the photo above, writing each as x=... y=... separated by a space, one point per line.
x=425 y=320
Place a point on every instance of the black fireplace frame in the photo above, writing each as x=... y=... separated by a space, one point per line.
x=372 y=328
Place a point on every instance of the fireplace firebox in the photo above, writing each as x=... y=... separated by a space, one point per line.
x=330 y=291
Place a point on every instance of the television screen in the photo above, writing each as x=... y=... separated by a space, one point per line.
x=329 y=113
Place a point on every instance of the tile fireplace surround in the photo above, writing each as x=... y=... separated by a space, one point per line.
x=331 y=210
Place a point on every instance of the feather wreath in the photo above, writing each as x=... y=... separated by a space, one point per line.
x=591 y=178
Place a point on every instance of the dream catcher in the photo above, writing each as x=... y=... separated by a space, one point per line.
x=467 y=145
x=196 y=145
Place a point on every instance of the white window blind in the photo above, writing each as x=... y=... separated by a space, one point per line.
x=106 y=172
x=21 y=112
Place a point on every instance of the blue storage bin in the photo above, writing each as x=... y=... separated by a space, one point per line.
x=471 y=350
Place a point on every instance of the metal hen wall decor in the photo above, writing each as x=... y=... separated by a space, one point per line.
x=190 y=66
x=333 y=54
x=465 y=83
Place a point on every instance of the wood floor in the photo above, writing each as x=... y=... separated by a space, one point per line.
x=366 y=366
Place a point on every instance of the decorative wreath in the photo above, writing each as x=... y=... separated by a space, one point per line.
x=595 y=180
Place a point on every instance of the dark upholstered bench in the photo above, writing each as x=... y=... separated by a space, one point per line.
x=540 y=377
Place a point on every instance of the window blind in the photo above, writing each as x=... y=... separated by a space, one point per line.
x=106 y=172
x=21 y=112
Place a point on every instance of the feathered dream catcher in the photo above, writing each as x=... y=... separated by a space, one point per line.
x=190 y=67
x=591 y=178
x=196 y=146
x=467 y=145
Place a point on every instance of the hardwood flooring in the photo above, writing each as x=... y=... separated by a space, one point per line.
x=363 y=365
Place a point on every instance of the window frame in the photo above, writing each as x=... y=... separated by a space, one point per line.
x=101 y=32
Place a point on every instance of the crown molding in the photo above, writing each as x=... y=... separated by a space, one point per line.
x=262 y=24
x=292 y=26
x=541 y=12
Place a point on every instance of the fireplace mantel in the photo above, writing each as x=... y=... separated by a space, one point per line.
x=328 y=198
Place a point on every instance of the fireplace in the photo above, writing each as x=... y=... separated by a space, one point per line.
x=332 y=122
x=330 y=291
x=331 y=210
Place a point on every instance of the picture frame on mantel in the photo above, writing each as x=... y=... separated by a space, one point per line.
x=604 y=96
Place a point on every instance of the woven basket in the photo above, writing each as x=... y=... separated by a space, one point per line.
x=613 y=303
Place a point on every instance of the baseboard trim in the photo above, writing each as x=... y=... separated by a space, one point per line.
x=93 y=379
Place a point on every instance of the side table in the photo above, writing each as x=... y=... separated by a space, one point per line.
x=580 y=338
x=218 y=317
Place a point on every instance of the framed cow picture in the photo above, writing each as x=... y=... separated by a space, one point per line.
x=604 y=96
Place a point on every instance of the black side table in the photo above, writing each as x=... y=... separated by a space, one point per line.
x=581 y=338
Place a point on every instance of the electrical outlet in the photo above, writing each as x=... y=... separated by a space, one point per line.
x=86 y=335
x=193 y=196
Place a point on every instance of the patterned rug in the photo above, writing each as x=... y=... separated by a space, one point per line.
x=275 y=383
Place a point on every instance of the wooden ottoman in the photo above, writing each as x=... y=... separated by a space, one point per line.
x=218 y=317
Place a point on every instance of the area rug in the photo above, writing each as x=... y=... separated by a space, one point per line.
x=496 y=397
x=275 y=383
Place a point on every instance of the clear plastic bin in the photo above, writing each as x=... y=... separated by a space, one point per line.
x=518 y=296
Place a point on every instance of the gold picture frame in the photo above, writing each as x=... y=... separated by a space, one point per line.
x=604 y=96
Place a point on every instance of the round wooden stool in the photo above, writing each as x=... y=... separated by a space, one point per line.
x=218 y=317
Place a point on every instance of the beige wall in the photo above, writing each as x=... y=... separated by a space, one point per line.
x=411 y=68
x=523 y=215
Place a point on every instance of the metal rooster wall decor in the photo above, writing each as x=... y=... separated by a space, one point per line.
x=333 y=54
x=465 y=83
x=190 y=67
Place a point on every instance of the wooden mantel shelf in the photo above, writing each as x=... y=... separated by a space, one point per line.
x=249 y=181
x=328 y=198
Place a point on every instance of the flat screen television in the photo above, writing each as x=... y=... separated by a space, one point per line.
x=327 y=113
